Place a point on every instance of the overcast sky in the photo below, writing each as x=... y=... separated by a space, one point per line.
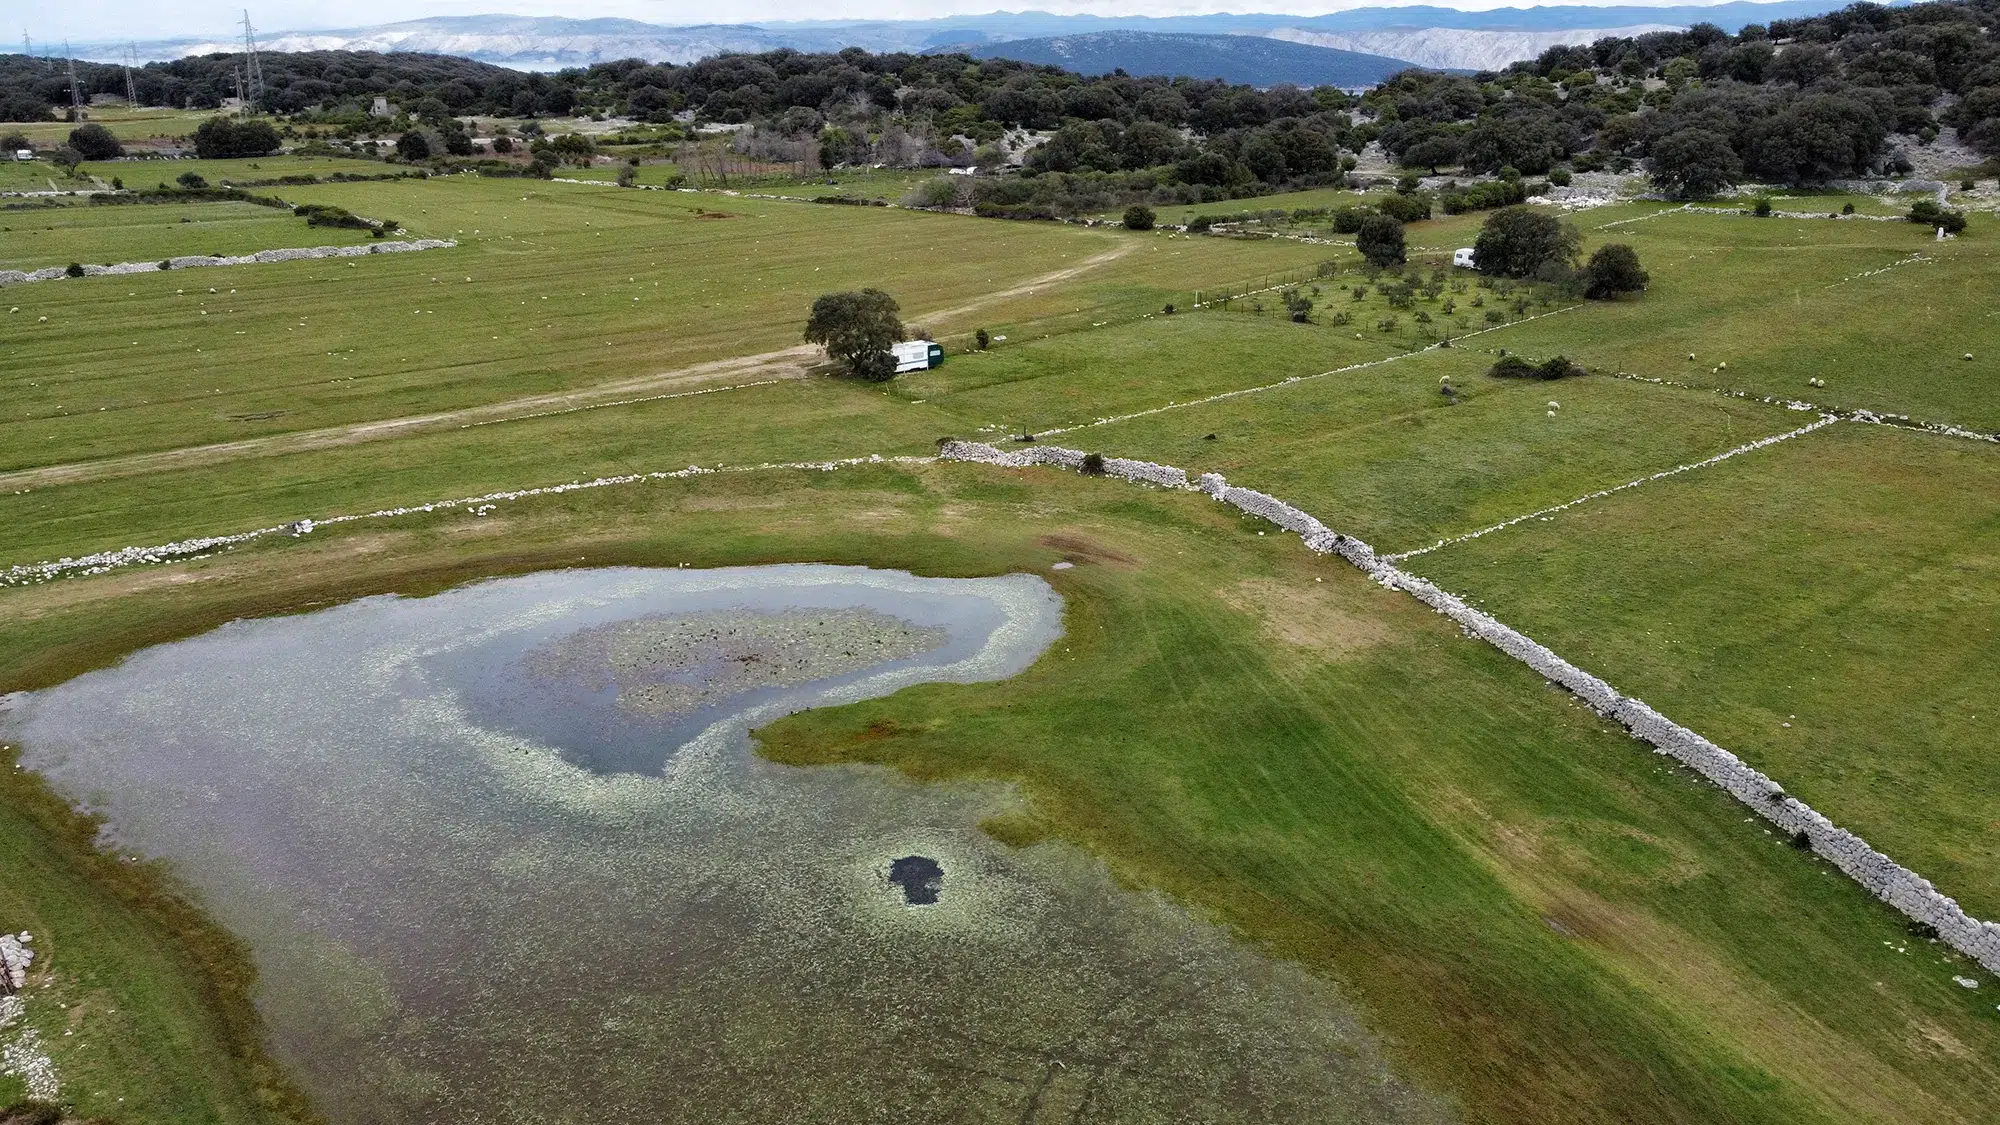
x=111 y=20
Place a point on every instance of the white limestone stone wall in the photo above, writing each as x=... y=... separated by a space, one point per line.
x=1894 y=884
x=193 y=261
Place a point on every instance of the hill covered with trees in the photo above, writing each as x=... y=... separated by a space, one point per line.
x=1800 y=101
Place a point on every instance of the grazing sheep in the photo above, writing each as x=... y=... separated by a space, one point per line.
x=1554 y=405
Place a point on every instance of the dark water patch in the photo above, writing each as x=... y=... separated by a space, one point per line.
x=920 y=876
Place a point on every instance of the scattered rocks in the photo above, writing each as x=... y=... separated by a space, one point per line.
x=194 y=261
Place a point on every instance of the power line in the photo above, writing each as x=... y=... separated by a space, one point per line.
x=254 y=92
x=131 y=60
x=77 y=110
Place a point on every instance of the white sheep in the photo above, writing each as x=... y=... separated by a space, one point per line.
x=1554 y=405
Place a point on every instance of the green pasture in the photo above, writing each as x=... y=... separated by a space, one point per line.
x=130 y=363
x=1781 y=301
x=140 y=232
x=1382 y=454
x=1825 y=608
x=37 y=175
x=1544 y=921
x=149 y=173
x=126 y=123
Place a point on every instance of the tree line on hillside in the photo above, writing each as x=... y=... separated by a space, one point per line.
x=1800 y=101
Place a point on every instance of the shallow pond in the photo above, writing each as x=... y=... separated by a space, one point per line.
x=505 y=853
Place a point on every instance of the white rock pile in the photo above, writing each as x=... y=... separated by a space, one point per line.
x=15 y=957
x=194 y=261
x=1887 y=880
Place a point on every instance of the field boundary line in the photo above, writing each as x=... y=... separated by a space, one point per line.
x=1914 y=896
x=1747 y=447
x=1292 y=380
x=1873 y=417
x=254 y=258
x=188 y=550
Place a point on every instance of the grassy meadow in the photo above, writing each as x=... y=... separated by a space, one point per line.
x=127 y=123
x=1545 y=921
x=146 y=232
x=1825 y=608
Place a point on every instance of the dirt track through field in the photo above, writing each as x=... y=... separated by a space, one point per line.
x=714 y=375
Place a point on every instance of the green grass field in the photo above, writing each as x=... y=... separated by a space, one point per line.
x=106 y=234
x=127 y=124
x=1825 y=608
x=1784 y=300
x=1545 y=921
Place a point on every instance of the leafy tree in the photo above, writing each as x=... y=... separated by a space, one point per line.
x=220 y=138
x=857 y=329
x=1138 y=217
x=1927 y=212
x=1410 y=207
x=14 y=142
x=503 y=145
x=413 y=146
x=1518 y=241
x=24 y=107
x=1380 y=240
x=1613 y=269
x=67 y=159
x=193 y=181
x=95 y=142
x=1694 y=163
x=1432 y=152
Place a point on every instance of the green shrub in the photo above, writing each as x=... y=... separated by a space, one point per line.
x=1138 y=217
x=1380 y=240
x=1093 y=464
x=75 y=269
x=1763 y=209
x=1514 y=367
x=1927 y=212
x=1413 y=207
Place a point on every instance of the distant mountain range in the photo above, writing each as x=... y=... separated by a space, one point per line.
x=1249 y=59
x=1432 y=36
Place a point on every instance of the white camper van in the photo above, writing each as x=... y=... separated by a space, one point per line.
x=1464 y=258
x=917 y=355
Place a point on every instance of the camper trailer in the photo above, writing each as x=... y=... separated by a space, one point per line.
x=1464 y=258
x=917 y=355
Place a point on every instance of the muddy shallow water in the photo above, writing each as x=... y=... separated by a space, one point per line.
x=505 y=854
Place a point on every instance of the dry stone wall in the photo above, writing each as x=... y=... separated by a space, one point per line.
x=1887 y=880
x=194 y=261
